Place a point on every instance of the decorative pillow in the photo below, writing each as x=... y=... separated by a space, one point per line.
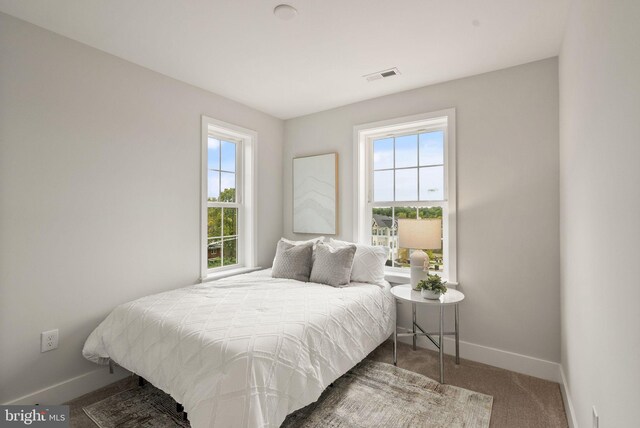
x=332 y=266
x=368 y=263
x=313 y=240
x=292 y=261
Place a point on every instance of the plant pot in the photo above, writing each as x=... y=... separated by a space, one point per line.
x=430 y=294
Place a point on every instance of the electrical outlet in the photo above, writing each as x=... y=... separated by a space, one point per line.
x=48 y=340
x=596 y=420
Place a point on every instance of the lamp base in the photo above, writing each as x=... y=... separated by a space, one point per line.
x=419 y=267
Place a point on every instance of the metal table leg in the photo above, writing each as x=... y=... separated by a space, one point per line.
x=395 y=343
x=457 y=334
x=413 y=324
x=441 y=347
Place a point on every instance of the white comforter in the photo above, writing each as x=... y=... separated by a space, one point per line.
x=247 y=350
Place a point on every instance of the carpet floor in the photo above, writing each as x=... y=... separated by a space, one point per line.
x=518 y=400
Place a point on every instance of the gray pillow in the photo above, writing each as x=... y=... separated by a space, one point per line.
x=292 y=261
x=332 y=266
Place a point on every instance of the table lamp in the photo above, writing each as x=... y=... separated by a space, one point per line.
x=419 y=235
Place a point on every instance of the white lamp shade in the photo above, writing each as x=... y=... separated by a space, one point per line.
x=423 y=234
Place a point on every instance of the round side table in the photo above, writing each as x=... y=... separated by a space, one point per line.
x=450 y=298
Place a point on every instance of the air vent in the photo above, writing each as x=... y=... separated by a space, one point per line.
x=382 y=74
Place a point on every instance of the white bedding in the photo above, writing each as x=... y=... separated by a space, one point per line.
x=245 y=351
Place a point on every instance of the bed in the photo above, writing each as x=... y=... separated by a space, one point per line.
x=245 y=351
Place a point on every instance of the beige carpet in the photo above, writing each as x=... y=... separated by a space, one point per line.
x=518 y=400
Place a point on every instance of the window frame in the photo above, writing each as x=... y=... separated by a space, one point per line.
x=364 y=135
x=245 y=140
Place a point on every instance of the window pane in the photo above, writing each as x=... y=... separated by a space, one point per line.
x=214 y=252
x=430 y=212
x=432 y=148
x=230 y=223
x=405 y=212
x=407 y=151
x=228 y=156
x=230 y=251
x=214 y=222
x=407 y=184
x=383 y=186
x=383 y=231
x=401 y=255
x=228 y=187
x=432 y=183
x=213 y=185
x=213 y=153
x=436 y=260
x=383 y=153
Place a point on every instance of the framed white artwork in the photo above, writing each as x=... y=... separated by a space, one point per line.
x=315 y=194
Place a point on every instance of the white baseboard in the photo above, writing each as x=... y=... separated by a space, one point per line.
x=568 y=404
x=72 y=388
x=497 y=357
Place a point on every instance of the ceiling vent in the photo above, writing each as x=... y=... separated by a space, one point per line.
x=382 y=74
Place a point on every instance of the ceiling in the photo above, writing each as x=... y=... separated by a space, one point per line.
x=239 y=49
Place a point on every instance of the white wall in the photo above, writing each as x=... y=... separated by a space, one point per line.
x=99 y=193
x=600 y=210
x=508 y=249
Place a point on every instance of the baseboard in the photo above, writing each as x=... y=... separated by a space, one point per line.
x=497 y=357
x=568 y=404
x=72 y=388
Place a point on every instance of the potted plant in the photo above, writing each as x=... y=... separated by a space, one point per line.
x=432 y=287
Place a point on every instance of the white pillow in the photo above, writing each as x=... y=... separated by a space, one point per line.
x=314 y=240
x=368 y=263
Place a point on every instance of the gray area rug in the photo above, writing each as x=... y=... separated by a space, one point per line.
x=138 y=407
x=372 y=394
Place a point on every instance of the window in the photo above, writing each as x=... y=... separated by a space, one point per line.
x=228 y=197
x=406 y=169
x=222 y=205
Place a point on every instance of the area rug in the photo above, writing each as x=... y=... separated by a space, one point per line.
x=372 y=394
x=137 y=407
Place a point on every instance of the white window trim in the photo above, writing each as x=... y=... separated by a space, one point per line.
x=246 y=181
x=362 y=134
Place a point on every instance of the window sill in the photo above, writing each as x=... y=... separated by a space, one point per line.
x=229 y=272
x=395 y=277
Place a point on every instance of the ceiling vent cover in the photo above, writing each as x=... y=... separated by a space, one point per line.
x=382 y=74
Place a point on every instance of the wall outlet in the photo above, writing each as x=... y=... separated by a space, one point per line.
x=595 y=419
x=48 y=340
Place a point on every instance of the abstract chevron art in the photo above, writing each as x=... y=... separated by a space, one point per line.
x=315 y=194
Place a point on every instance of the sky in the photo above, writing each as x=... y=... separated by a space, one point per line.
x=422 y=154
x=221 y=165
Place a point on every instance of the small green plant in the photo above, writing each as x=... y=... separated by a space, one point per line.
x=433 y=283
